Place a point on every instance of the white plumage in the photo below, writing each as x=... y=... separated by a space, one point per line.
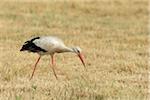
x=48 y=45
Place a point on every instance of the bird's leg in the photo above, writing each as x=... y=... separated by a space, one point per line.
x=35 y=66
x=54 y=65
x=52 y=58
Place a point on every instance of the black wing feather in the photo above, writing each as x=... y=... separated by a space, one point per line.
x=30 y=46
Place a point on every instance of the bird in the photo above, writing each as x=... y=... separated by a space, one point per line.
x=49 y=45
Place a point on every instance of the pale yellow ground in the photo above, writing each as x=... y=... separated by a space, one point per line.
x=112 y=33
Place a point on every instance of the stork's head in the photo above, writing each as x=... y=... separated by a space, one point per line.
x=78 y=51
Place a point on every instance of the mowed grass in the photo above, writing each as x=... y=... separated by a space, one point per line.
x=113 y=35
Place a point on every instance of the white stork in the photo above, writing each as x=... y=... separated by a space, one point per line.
x=48 y=45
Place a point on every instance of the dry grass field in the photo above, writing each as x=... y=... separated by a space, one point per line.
x=113 y=35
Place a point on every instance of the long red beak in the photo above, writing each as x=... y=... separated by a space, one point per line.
x=81 y=58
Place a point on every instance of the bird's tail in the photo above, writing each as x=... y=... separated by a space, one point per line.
x=23 y=48
x=26 y=46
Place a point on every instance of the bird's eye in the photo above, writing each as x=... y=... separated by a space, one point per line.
x=78 y=51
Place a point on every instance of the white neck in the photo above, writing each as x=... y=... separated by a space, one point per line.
x=68 y=49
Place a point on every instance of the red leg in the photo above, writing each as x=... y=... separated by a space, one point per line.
x=53 y=64
x=52 y=58
x=35 y=67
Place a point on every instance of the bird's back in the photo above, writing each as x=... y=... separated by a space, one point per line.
x=47 y=44
x=31 y=46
